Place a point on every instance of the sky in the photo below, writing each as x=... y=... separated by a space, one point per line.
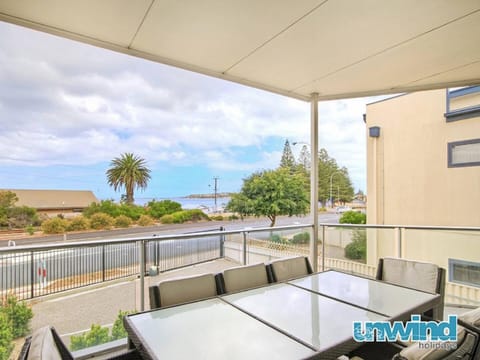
x=67 y=109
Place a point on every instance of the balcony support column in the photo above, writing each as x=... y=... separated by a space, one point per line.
x=314 y=179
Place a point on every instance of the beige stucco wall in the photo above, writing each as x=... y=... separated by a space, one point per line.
x=408 y=179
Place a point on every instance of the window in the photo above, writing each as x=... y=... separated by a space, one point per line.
x=464 y=153
x=464 y=272
x=469 y=103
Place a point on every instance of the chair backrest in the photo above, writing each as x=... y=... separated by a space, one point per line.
x=182 y=290
x=289 y=268
x=244 y=277
x=45 y=344
x=417 y=275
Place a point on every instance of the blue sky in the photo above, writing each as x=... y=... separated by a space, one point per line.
x=67 y=109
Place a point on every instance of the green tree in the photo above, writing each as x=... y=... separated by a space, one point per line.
x=7 y=201
x=128 y=171
x=288 y=160
x=304 y=158
x=271 y=193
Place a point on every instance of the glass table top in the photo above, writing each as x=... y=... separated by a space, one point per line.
x=211 y=329
x=384 y=298
x=314 y=319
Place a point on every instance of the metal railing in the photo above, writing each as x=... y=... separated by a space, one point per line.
x=32 y=271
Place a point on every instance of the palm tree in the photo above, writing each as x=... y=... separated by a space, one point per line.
x=129 y=171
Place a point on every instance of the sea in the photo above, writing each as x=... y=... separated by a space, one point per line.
x=205 y=204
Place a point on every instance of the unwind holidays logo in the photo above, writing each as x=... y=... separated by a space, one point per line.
x=428 y=333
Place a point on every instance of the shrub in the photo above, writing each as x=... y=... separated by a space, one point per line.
x=123 y=221
x=6 y=337
x=353 y=217
x=78 y=223
x=166 y=219
x=30 y=230
x=233 y=217
x=54 y=226
x=302 y=238
x=131 y=211
x=96 y=336
x=18 y=313
x=276 y=238
x=189 y=215
x=105 y=207
x=145 y=220
x=157 y=209
x=21 y=216
x=101 y=221
x=216 y=217
x=357 y=249
x=118 y=331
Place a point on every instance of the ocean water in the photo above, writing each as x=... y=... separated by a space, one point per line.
x=205 y=204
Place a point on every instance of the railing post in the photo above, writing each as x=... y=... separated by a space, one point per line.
x=142 y=275
x=222 y=243
x=324 y=238
x=398 y=236
x=245 y=248
x=103 y=262
x=32 y=275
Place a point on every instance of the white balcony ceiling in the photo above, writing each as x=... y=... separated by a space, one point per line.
x=336 y=48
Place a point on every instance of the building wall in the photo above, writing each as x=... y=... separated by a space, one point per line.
x=408 y=178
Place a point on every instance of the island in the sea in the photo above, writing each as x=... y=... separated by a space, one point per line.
x=209 y=196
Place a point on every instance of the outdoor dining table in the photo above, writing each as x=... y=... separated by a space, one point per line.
x=307 y=318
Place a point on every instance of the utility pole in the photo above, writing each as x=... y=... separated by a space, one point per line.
x=215 y=189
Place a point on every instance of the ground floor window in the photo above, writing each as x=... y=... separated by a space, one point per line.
x=464 y=272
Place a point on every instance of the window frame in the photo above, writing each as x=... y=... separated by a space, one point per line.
x=453 y=144
x=452 y=263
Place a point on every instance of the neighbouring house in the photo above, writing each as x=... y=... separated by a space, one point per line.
x=54 y=202
x=423 y=169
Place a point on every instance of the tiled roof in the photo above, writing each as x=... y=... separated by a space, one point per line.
x=54 y=199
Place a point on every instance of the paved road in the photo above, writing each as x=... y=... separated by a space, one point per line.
x=329 y=218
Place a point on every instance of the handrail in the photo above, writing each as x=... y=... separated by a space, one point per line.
x=152 y=237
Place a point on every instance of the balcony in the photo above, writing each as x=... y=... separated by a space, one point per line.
x=72 y=286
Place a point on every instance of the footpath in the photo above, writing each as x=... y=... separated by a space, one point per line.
x=74 y=312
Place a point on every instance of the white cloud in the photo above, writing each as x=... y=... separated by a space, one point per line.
x=69 y=103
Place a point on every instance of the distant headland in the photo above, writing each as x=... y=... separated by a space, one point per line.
x=209 y=196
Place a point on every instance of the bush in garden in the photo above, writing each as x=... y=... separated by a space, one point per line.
x=278 y=239
x=131 y=211
x=123 y=221
x=357 y=249
x=101 y=221
x=302 y=238
x=54 y=225
x=105 y=207
x=145 y=220
x=118 y=331
x=180 y=217
x=99 y=335
x=157 y=209
x=353 y=217
x=96 y=336
x=78 y=223
x=166 y=219
x=217 y=217
x=6 y=337
x=233 y=217
x=18 y=313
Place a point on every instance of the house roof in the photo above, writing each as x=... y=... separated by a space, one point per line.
x=336 y=48
x=54 y=199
